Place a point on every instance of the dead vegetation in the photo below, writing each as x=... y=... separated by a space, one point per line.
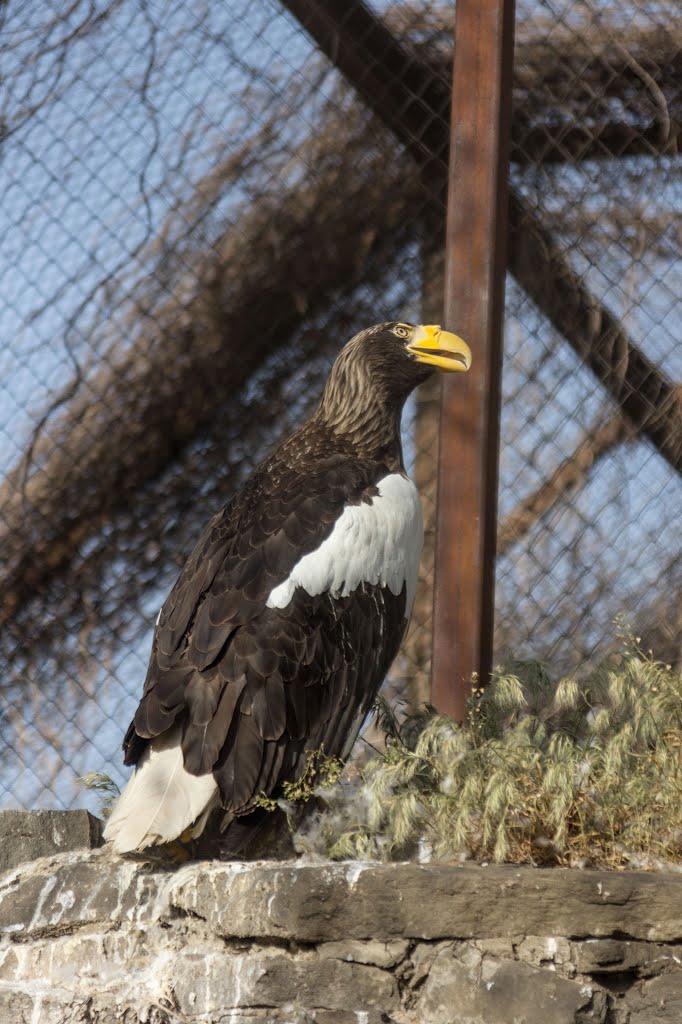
x=545 y=770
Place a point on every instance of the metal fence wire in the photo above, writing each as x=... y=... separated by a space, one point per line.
x=200 y=206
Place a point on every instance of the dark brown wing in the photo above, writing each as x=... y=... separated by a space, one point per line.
x=256 y=688
x=327 y=657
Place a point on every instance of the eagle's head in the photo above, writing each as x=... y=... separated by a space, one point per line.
x=393 y=358
x=379 y=367
x=411 y=351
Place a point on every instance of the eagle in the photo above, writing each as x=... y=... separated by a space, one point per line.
x=273 y=643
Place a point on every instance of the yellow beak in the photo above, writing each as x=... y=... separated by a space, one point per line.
x=440 y=348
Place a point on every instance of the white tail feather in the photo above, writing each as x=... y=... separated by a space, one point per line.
x=160 y=800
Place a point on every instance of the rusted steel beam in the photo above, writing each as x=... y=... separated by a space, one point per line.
x=474 y=300
x=412 y=100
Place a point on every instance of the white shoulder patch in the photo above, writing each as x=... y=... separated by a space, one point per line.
x=373 y=543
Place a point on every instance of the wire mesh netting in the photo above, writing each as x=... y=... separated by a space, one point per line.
x=202 y=202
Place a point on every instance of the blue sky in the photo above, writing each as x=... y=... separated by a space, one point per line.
x=91 y=178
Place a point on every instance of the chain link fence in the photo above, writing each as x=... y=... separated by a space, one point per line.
x=200 y=207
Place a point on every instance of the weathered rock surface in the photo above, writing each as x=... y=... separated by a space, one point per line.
x=87 y=936
x=26 y=835
x=317 y=903
x=658 y=1000
x=463 y=987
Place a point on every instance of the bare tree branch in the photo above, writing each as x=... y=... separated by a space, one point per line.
x=413 y=101
x=306 y=244
x=588 y=92
x=163 y=389
x=568 y=476
x=640 y=388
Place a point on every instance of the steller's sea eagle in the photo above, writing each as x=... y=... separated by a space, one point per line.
x=277 y=635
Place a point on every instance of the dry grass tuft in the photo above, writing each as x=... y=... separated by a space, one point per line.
x=546 y=772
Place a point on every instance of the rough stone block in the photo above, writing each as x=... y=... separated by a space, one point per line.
x=416 y=967
x=215 y=983
x=546 y=951
x=9 y=964
x=296 y=1014
x=502 y=949
x=26 y=835
x=659 y=1001
x=318 y=903
x=380 y=954
x=16 y=1007
x=613 y=956
x=46 y=1008
x=347 y=943
x=465 y=990
x=79 y=889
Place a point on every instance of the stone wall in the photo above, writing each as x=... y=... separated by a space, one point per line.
x=90 y=937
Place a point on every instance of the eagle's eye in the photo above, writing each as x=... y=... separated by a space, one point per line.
x=401 y=332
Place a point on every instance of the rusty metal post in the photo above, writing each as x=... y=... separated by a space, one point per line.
x=474 y=302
